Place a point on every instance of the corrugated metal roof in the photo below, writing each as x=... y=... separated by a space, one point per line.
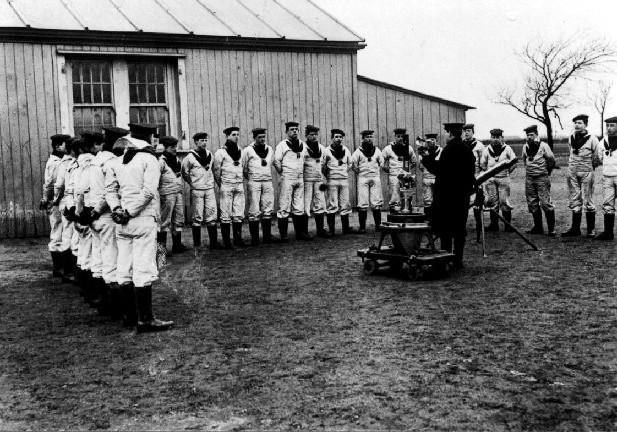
x=287 y=19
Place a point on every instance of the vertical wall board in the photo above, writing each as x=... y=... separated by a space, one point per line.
x=305 y=60
x=194 y=87
x=292 y=87
x=355 y=104
x=300 y=90
x=319 y=70
x=228 y=96
x=7 y=222
x=221 y=109
x=232 y=71
x=264 y=90
x=256 y=91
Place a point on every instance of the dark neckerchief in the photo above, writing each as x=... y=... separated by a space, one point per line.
x=611 y=144
x=203 y=157
x=233 y=150
x=401 y=150
x=338 y=152
x=312 y=147
x=367 y=151
x=57 y=154
x=131 y=152
x=261 y=150
x=532 y=149
x=578 y=140
x=172 y=162
x=294 y=145
x=496 y=153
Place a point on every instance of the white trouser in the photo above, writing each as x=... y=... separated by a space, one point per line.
x=137 y=251
x=55 y=235
x=338 y=197
x=261 y=199
x=105 y=249
x=291 y=197
x=314 y=197
x=369 y=193
x=231 y=202
x=203 y=203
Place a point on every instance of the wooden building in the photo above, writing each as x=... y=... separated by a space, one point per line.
x=187 y=66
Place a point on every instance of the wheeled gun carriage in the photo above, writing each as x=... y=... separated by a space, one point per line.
x=412 y=251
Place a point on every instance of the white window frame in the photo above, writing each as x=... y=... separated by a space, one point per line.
x=177 y=103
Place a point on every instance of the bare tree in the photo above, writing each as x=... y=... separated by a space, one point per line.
x=599 y=99
x=552 y=66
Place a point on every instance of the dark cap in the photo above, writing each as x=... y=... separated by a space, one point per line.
x=168 y=141
x=92 y=137
x=496 y=132
x=310 y=128
x=367 y=132
x=200 y=135
x=583 y=117
x=611 y=120
x=229 y=130
x=453 y=127
x=469 y=126
x=59 y=138
x=142 y=129
x=337 y=131
x=258 y=131
x=400 y=131
x=291 y=124
x=430 y=136
x=112 y=134
x=531 y=129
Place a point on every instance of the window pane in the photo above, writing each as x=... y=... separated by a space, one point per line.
x=92 y=119
x=77 y=93
x=106 y=93
x=106 y=75
x=85 y=73
x=151 y=93
x=160 y=74
x=96 y=96
x=160 y=93
x=87 y=78
x=87 y=93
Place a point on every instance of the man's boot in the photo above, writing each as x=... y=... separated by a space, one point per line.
x=95 y=290
x=607 y=234
x=104 y=307
x=459 y=247
x=362 y=214
x=254 y=230
x=478 y=218
x=305 y=226
x=590 y=217
x=345 y=225
x=507 y=215
x=319 y=220
x=266 y=231
x=550 y=223
x=575 y=229
x=176 y=241
x=146 y=322
x=129 y=309
x=494 y=225
x=212 y=235
x=299 y=228
x=377 y=219
x=115 y=301
x=226 y=234
x=56 y=261
x=197 y=236
x=283 y=223
x=68 y=269
x=237 y=233
x=331 y=217
x=537 y=223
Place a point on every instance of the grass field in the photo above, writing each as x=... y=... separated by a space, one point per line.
x=296 y=337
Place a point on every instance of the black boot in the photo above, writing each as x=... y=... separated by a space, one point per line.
x=212 y=235
x=590 y=217
x=68 y=268
x=305 y=226
x=507 y=215
x=196 y=236
x=129 y=309
x=377 y=218
x=607 y=234
x=283 y=224
x=362 y=214
x=459 y=247
x=494 y=225
x=331 y=217
x=104 y=308
x=575 y=229
x=56 y=261
x=176 y=241
x=537 y=223
x=550 y=223
x=226 y=234
x=237 y=234
x=319 y=220
x=254 y=230
x=95 y=291
x=478 y=218
x=345 y=225
x=146 y=322
x=299 y=228
x=115 y=302
x=266 y=231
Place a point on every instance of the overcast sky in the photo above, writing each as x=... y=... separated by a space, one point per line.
x=464 y=50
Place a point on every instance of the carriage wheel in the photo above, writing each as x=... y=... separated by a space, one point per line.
x=412 y=271
x=370 y=267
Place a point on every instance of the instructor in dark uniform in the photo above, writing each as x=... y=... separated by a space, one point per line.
x=454 y=183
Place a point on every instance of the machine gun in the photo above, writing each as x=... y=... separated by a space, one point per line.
x=407 y=181
x=479 y=201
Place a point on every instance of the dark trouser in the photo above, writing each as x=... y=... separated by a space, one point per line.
x=459 y=245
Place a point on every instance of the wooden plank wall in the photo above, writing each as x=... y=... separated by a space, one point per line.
x=384 y=109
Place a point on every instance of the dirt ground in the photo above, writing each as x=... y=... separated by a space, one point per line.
x=296 y=337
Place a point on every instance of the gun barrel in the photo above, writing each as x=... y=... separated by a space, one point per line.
x=488 y=174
